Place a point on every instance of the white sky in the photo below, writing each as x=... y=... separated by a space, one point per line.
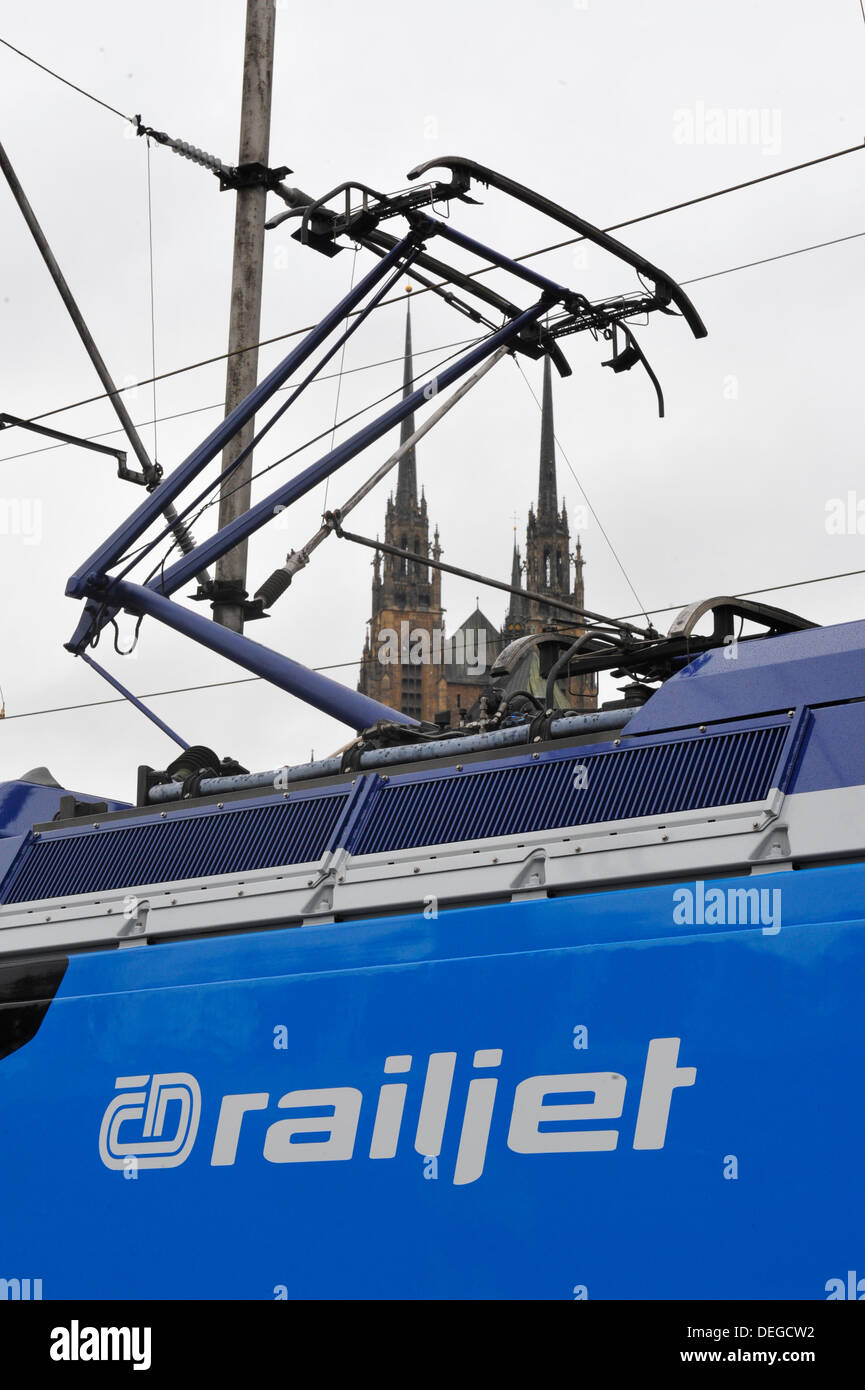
x=581 y=101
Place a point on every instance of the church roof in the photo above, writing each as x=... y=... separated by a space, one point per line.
x=479 y=622
x=475 y=645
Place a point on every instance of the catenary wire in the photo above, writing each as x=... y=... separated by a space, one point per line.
x=483 y=270
x=397 y=390
x=344 y=665
x=67 y=83
x=317 y=438
x=219 y=405
x=339 y=375
x=782 y=256
x=152 y=299
x=299 y=449
x=541 y=251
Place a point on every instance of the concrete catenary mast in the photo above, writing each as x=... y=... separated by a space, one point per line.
x=246 y=287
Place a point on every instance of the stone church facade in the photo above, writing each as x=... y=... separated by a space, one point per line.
x=409 y=662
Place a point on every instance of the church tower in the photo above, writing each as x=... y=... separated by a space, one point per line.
x=407 y=662
x=406 y=594
x=517 y=616
x=547 y=567
x=548 y=556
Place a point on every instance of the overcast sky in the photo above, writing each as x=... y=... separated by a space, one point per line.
x=612 y=107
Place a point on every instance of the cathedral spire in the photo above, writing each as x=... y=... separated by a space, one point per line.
x=516 y=567
x=406 y=488
x=547 y=491
x=515 y=619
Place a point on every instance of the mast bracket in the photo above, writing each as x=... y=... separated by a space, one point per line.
x=252 y=175
x=217 y=591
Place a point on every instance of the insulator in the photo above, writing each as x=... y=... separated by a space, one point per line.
x=182 y=534
x=187 y=151
x=271 y=589
x=198 y=156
